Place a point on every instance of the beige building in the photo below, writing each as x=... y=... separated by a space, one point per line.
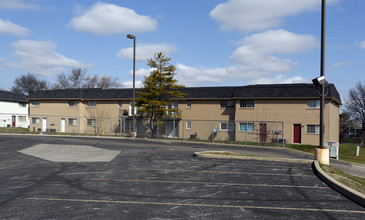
x=256 y=113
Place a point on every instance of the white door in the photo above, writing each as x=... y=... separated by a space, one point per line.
x=63 y=125
x=44 y=127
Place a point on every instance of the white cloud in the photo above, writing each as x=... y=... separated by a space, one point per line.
x=195 y=76
x=108 y=19
x=7 y=27
x=18 y=5
x=340 y=64
x=362 y=44
x=39 y=57
x=258 y=50
x=146 y=51
x=280 y=79
x=256 y=15
x=142 y=72
x=129 y=84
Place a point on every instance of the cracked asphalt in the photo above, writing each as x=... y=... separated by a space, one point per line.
x=161 y=180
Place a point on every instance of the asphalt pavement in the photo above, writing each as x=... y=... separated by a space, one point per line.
x=158 y=180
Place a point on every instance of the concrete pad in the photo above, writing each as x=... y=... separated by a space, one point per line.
x=70 y=153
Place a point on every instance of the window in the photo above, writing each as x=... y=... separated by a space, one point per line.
x=313 y=129
x=188 y=125
x=22 y=118
x=72 y=103
x=131 y=107
x=172 y=108
x=36 y=120
x=22 y=104
x=188 y=104
x=72 y=121
x=314 y=104
x=226 y=126
x=120 y=104
x=246 y=126
x=36 y=103
x=91 y=122
x=247 y=104
x=227 y=104
x=91 y=103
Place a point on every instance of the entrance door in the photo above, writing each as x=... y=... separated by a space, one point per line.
x=172 y=129
x=262 y=132
x=63 y=125
x=13 y=121
x=44 y=125
x=297 y=133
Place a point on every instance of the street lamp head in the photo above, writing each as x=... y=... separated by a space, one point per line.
x=320 y=81
x=131 y=36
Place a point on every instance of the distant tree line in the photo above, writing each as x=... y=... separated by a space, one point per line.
x=77 y=78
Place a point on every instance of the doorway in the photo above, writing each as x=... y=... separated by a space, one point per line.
x=262 y=132
x=297 y=133
x=63 y=125
x=13 y=121
x=44 y=125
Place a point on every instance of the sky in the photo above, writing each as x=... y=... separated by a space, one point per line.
x=210 y=42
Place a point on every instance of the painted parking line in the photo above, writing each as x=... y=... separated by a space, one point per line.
x=208 y=183
x=223 y=172
x=197 y=205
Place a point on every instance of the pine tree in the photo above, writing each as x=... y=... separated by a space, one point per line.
x=158 y=91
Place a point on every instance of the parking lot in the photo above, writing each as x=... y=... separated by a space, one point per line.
x=160 y=180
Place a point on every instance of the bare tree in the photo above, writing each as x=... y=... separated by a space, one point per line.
x=103 y=82
x=100 y=115
x=26 y=84
x=72 y=80
x=78 y=79
x=355 y=106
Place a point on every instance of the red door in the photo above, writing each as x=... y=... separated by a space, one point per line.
x=262 y=133
x=13 y=121
x=298 y=134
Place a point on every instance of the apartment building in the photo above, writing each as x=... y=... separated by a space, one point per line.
x=235 y=113
x=13 y=110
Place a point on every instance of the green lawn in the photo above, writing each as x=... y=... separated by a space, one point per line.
x=347 y=152
x=14 y=130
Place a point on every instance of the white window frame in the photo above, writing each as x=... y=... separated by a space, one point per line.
x=135 y=108
x=73 y=120
x=91 y=104
x=229 y=126
x=316 y=129
x=36 y=103
x=188 y=104
x=91 y=120
x=247 y=103
x=188 y=125
x=227 y=104
x=251 y=125
x=36 y=120
x=313 y=104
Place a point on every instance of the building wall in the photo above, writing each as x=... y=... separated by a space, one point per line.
x=204 y=117
x=12 y=110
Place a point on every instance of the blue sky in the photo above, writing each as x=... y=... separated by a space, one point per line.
x=211 y=42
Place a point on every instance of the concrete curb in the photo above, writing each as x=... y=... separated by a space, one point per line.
x=212 y=154
x=339 y=187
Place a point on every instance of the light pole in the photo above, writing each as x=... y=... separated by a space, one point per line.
x=321 y=117
x=134 y=80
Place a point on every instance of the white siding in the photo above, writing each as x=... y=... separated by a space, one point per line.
x=8 y=110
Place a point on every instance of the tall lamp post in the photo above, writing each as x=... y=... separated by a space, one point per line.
x=321 y=120
x=134 y=81
x=321 y=153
